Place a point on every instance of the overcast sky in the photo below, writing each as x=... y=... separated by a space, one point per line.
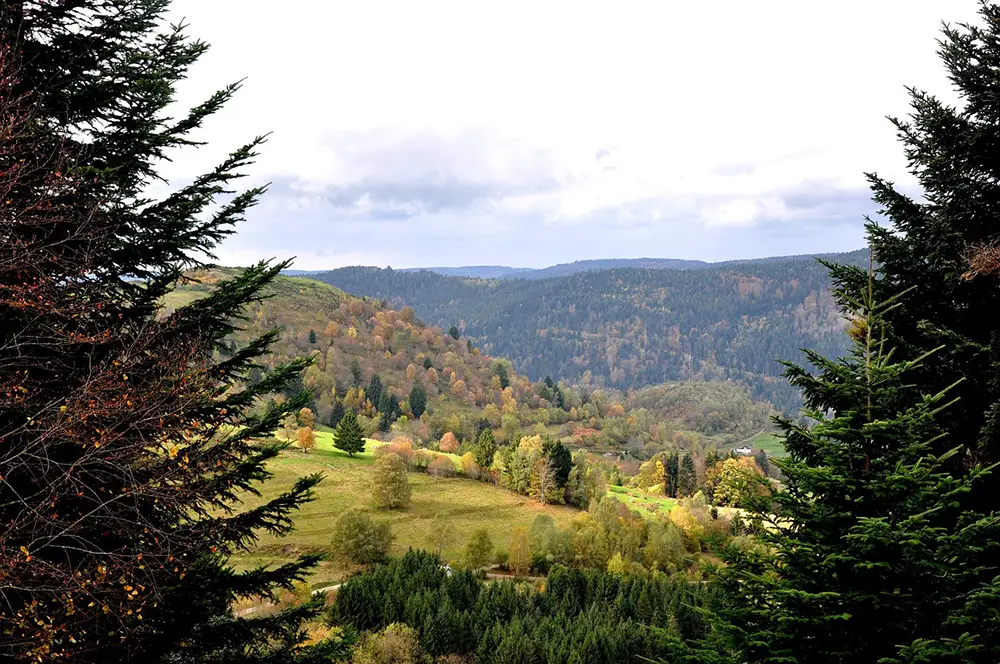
x=532 y=133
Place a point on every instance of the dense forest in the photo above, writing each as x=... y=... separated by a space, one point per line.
x=628 y=328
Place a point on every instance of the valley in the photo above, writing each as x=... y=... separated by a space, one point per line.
x=627 y=328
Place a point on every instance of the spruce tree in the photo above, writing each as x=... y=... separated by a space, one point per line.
x=374 y=391
x=125 y=437
x=869 y=554
x=357 y=377
x=485 y=448
x=938 y=252
x=336 y=413
x=687 y=478
x=349 y=436
x=418 y=401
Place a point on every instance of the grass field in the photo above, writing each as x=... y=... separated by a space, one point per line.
x=642 y=502
x=768 y=442
x=466 y=504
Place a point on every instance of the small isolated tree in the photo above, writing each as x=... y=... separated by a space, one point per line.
x=478 y=551
x=453 y=332
x=448 y=443
x=306 y=439
x=391 y=485
x=360 y=539
x=418 y=400
x=519 y=558
x=306 y=418
x=312 y=336
x=348 y=436
x=441 y=532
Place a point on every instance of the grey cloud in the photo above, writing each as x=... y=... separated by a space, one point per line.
x=426 y=172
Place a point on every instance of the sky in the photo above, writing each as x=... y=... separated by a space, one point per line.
x=533 y=133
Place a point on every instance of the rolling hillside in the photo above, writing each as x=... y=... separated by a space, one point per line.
x=352 y=339
x=629 y=328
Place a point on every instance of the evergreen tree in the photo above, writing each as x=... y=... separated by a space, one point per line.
x=385 y=422
x=418 y=400
x=336 y=413
x=428 y=363
x=348 y=436
x=374 y=390
x=357 y=378
x=486 y=447
x=671 y=472
x=453 y=332
x=687 y=479
x=312 y=336
x=762 y=461
x=125 y=440
x=871 y=556
x=561 y=459
x=938 y=254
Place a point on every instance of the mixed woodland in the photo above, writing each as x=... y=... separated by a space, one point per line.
x=629 y=328
x=166 y=425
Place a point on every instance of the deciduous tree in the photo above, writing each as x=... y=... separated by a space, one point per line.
x=390 y=484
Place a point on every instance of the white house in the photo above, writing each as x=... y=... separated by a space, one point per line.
x=743 y=450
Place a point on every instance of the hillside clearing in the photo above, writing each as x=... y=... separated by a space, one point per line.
x=467 y=504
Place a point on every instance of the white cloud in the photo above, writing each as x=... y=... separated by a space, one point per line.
x=560 y=121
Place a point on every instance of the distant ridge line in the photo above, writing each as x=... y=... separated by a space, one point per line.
x=590 y=265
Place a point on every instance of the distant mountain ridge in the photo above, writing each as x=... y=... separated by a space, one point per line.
x=588 y=265
x=631 y=327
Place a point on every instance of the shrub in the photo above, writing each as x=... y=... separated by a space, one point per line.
x=360 y=539
x=441 y=466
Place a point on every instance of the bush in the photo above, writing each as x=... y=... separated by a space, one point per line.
x=441 y=466
x=358 y=538
x=396 y=644
x=401 y=447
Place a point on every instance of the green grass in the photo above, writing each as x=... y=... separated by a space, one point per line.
x=325 y=442
x=642 y=502
x=467 y=504
x=768 y=442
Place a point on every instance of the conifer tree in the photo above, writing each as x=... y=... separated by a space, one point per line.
x=869 y=554
x=418 y=401
x=348 y=436
x=687 y=479
x=336 y=413
x=938 y=254
x=486 y=447
x=374 y=391
x=125 y=439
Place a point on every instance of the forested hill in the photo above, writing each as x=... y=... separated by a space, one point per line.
x=634 y=327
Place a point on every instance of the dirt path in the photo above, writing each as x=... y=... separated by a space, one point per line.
x=250 y=610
